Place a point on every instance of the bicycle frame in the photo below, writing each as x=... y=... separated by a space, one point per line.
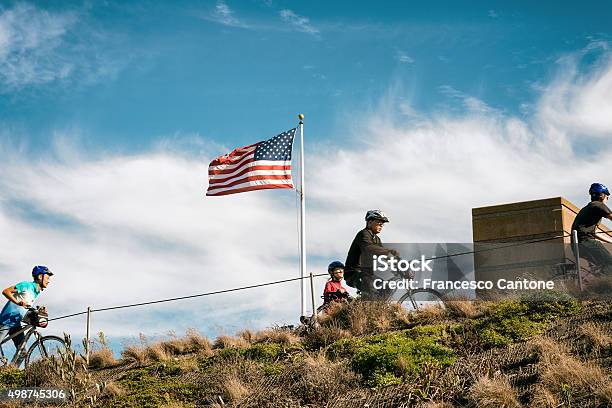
x=31 y=330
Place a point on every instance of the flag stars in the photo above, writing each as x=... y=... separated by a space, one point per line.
x=277 y=148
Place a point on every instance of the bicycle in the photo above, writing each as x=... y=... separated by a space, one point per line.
x=43 y=347
x=565 y=275
x=415 y=298
x=421 y=298
x=412 y=300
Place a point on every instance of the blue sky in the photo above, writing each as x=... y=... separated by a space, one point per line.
x=147 y=70
x=110 y=113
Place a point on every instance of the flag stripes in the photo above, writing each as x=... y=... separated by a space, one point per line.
x=259 y=166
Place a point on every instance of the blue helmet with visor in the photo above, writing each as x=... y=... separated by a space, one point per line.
x=41 y=270
x=598 y=188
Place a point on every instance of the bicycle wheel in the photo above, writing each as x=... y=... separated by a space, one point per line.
x=44 y=348
x=422 y=298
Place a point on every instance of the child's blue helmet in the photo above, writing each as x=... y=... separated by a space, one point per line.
x=334 y=265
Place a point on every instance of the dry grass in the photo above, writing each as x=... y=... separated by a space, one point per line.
x=599 y=287
x=364 y=317
x=493 y=393
x=192 y=343
x=248 y=336
x=595 y=336
x=177 y=404
x=40 y=373
x=187 y=364
x=324 y=336
x=431 y=313
x=283 y=337
x=461 y=308
x=434 y=404
x=134 y=354
x=223 y=342
x=157 y=352
x=560 y=370
x=102 y=358
x=316 y=380
x=112 y=390
x=543 y=398
x=235 y=389
x=233 y=378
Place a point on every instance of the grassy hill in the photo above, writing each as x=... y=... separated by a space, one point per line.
x=543 y=351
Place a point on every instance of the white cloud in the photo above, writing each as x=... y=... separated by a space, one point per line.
x=28 y=39
x=137 y=228
x=470 y=102
x=225 y=15
x=35 y=49
x=298 y=22
x=132 y=228
x=404 y=58
x=577 y=102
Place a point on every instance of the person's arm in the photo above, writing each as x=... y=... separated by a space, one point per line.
x=9 y=293
x=604 y=236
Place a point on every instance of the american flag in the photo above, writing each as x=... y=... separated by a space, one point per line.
x=258 y=166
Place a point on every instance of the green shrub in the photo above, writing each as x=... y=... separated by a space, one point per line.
x=155 y=386
x=380 y=379
x=517 y=320
x=344 y=348
x=264 y=352
x=439 y=332
x=271 y=368
x=396 y=354
x=230 y=353
x=386 y=358
x=547 y=306
x=11 y=377
x=261 y=352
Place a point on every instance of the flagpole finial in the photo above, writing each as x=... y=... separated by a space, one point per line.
x=301 y=117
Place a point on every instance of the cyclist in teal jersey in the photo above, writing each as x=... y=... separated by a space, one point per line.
x=20 y=297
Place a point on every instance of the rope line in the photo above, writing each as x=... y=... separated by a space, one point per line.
x=297 y=279
x=216 y=292
x=500 y=247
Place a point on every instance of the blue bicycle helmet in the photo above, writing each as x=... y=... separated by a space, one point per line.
x=334 y=265
x=598 y=188
x=41 y=270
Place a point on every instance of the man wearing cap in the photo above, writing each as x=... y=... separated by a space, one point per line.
x=358 y=270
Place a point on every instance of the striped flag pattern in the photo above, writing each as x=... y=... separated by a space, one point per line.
x=259 y=166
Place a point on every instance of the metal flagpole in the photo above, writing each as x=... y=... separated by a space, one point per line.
x=302 y=221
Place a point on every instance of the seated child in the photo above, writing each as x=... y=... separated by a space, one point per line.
x=334 y=291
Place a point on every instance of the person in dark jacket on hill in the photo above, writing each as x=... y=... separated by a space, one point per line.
x=586 y=223
x=358 y=269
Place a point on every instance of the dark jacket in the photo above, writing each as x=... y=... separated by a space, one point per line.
x=588 y=219
x=358 y=260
